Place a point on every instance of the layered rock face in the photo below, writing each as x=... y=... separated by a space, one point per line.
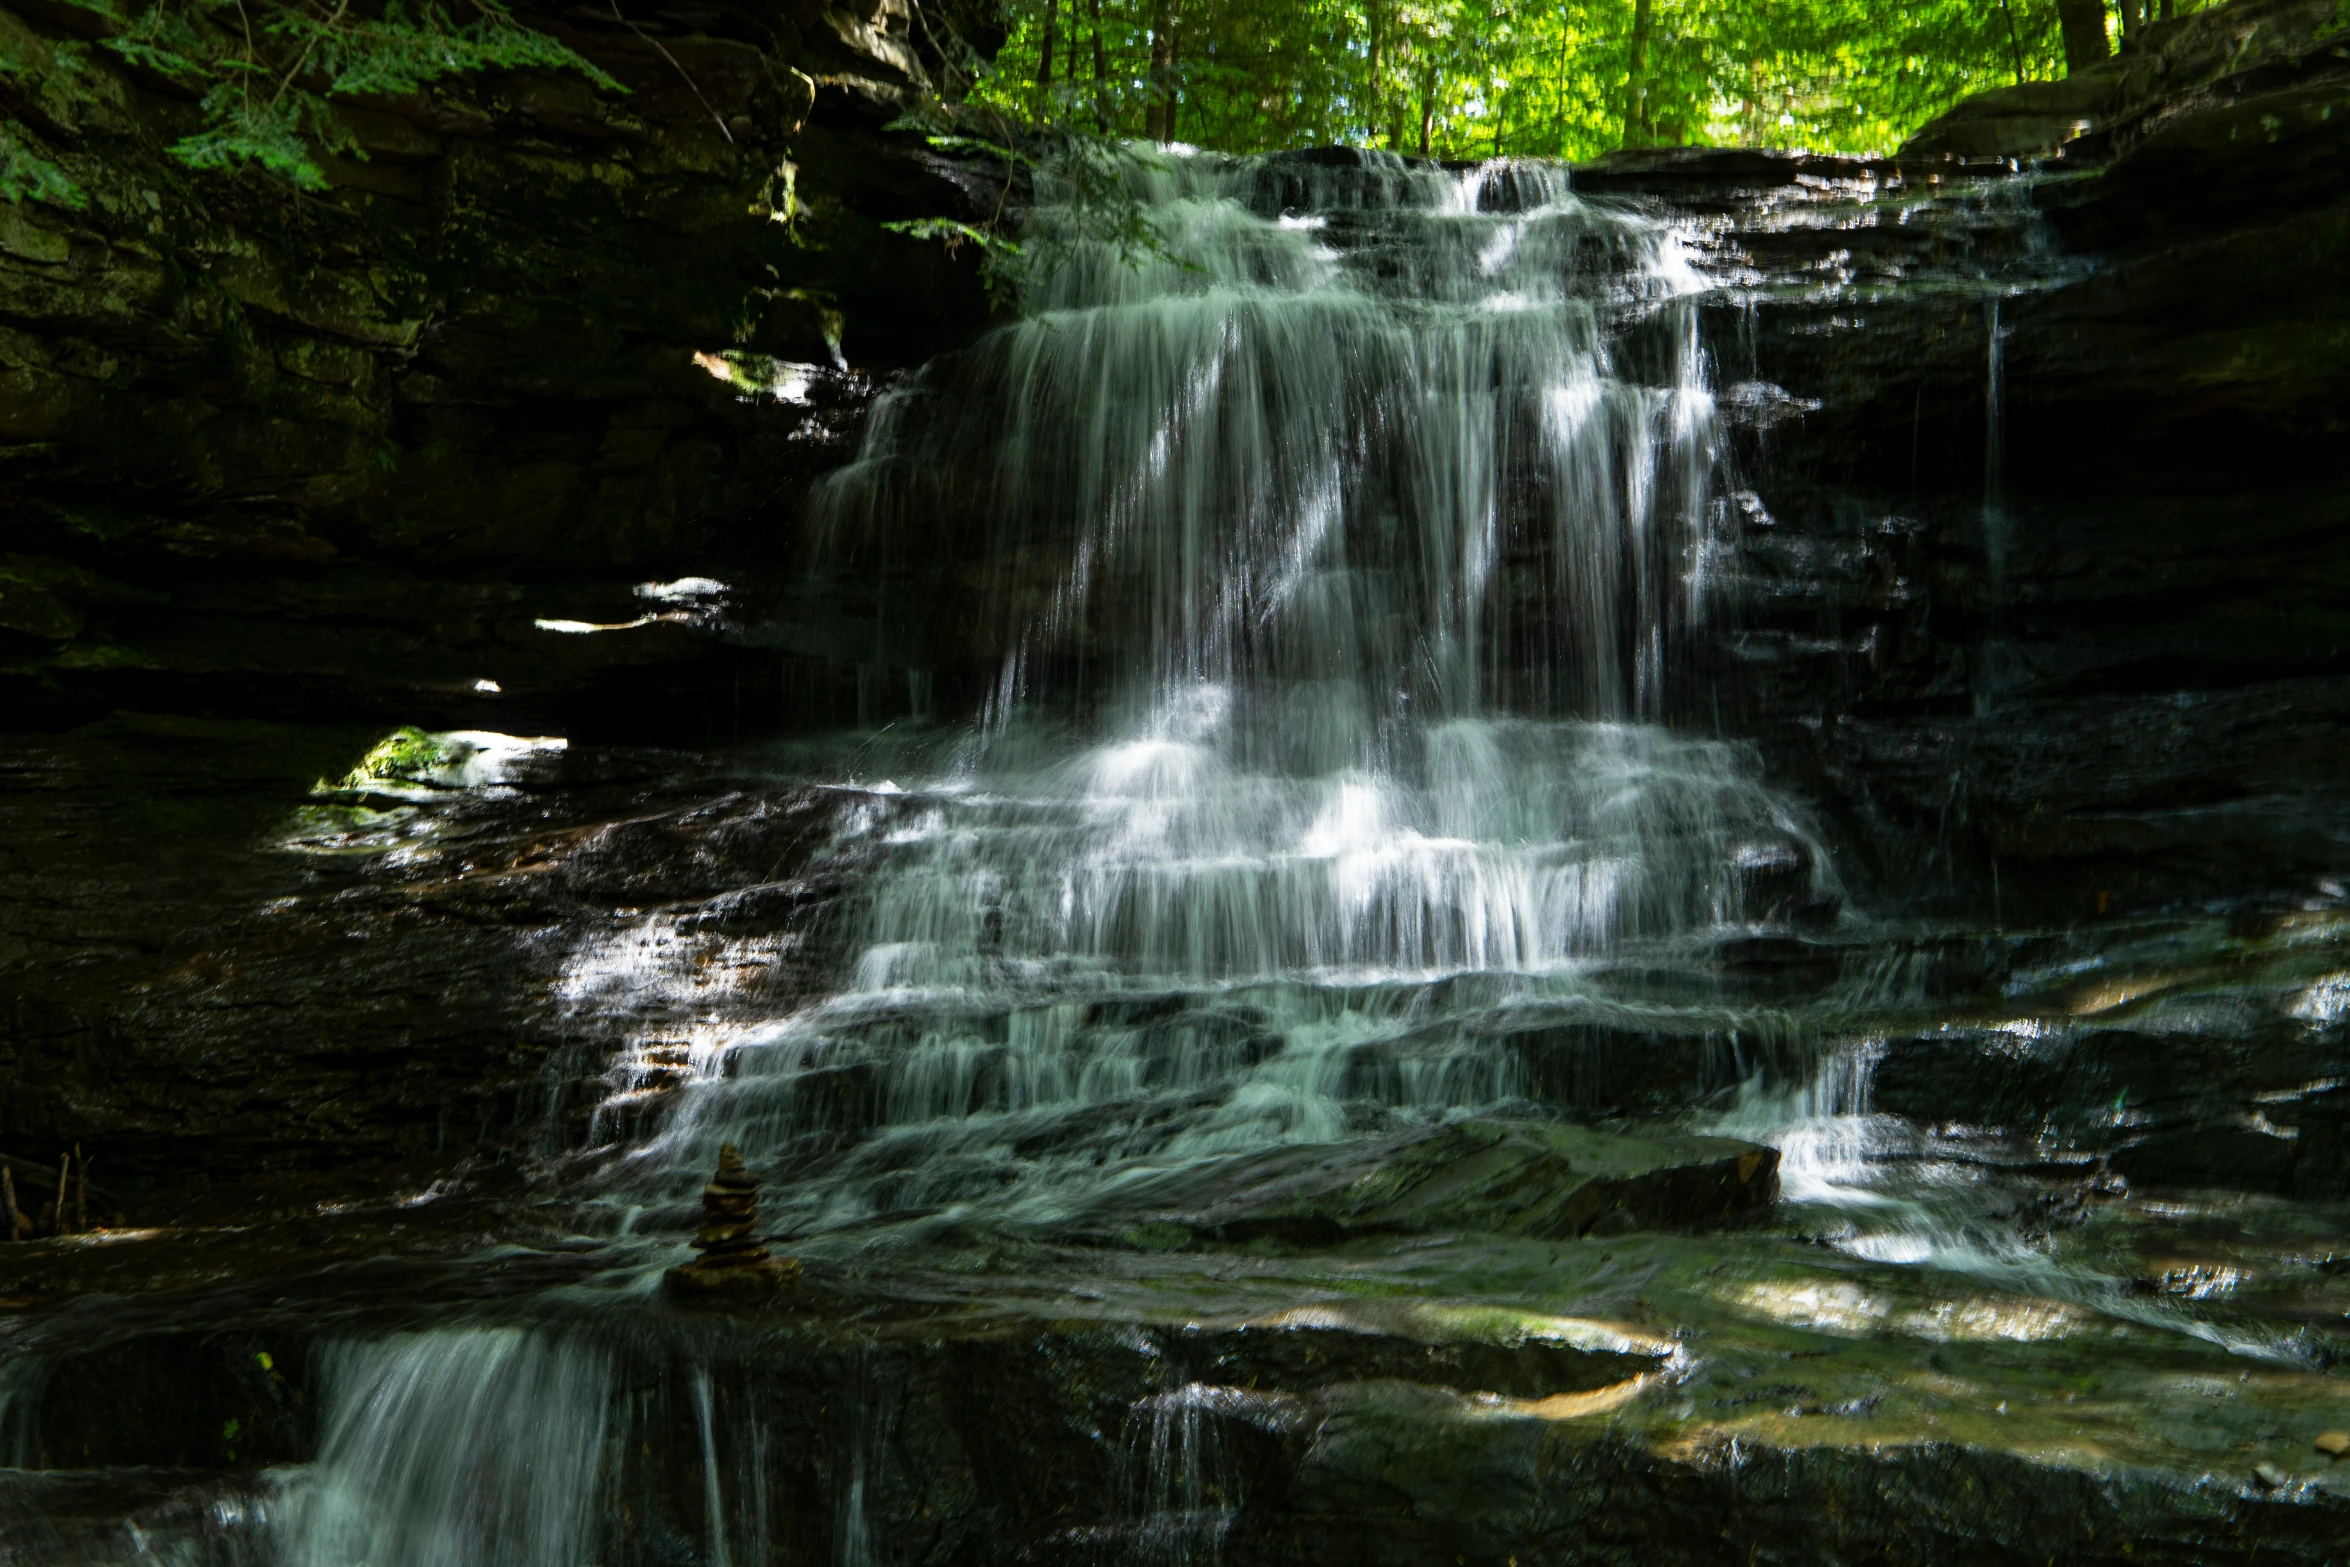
x=2043 y=558
x=271 y=456
x=2167 y=75
x=278 y=455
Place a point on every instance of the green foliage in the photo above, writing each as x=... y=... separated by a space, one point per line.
x=270 y=69
x=269 y=133
x=1089 y=179
x=25 y=175
x=955 y=232
x=1483 y=78
x=1085 y=175
x=1077 y=80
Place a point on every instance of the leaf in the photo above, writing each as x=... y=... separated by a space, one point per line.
x=272 y=65
x=27 y=176
x=954 y=233
x=252 y=131
x=165 y=62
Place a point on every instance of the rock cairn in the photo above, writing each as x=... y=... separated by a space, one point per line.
x=732 y=1254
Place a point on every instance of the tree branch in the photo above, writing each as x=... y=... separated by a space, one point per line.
x=679 y=69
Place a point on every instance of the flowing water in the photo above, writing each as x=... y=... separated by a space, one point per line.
x=456 y=1447
x=1373 y=515
x=1379 y=509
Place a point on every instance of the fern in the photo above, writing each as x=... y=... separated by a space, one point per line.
x=243 y=131
x=27 y=176
x=1095 y=199
x=955 y=232
x=271 y=68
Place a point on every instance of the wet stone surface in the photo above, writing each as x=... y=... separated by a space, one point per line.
x=1995 y=1305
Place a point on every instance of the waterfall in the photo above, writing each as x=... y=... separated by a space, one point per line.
x=866 y=1422
x=1184 y=1492
x=1369 y=448
x=453 y=1448
x=1337 y=562
x=22 y=1378
x=1340 y=558
x=713 y=1477
x=1992 y=677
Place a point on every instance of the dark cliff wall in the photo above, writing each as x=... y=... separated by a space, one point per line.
x=270 y=453
x=2083 y=646
x=268 y=456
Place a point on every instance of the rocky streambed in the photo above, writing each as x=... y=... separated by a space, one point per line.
x=2054 y=1257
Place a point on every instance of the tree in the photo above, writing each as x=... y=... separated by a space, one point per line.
x=1159 y=124
x=1547 y=78
x=1637 y=130
x=2084 y=33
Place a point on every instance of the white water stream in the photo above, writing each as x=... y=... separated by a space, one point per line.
x=1347 y=557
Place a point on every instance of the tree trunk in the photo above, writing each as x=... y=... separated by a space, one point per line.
x=1158 y=120
x=1427 y=109
x=1101 y=74
x=2084 y=32
x=1636 y=132
x=1378 y=21
x=1044 y=55
x=2133 y=17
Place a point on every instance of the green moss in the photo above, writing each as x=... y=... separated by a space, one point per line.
x=403 y=757
x=1158 y=1237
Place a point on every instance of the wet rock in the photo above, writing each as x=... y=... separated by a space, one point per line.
x=284 y=457
x=1509 y=1178
x=189 y=1400
x=2116 y=687
x=1685 y=172
x=2028 y=119
x=1406 y=1474
x=1301 y=1359
x=2201 y=1077
x=306 y=991
x=1593 y=1069
x=2166 y=65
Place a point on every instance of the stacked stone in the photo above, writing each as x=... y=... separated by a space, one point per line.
x=732 y=1253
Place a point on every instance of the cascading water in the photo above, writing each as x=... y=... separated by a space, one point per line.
x=1380 y=503
x=452 y=1448
x=20 y=1393
x=1378 y=507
